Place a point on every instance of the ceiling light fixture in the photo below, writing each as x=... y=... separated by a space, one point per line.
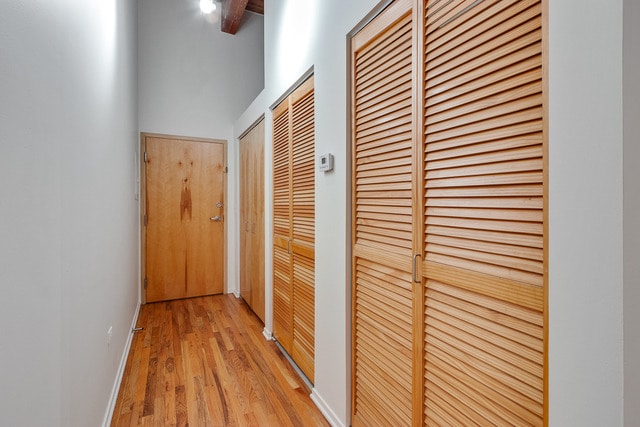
x=207 y=6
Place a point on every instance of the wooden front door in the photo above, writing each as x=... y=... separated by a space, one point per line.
x=184 y=215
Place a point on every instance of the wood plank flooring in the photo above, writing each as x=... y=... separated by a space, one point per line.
x=204 y=362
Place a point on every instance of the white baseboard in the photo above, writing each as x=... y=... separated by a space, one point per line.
x=123 y=363
x=267 y=334
x=326 y=410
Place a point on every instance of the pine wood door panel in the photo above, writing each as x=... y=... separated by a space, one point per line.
x=383 y=362
x=302 y=112
x=245 y=218
x=294 y=225
x=303 y=343
x=484 y=259
x=184 y=247
x=449 y=190
x=257 y=223
x=282 y=297
x=282 y=212
x=252 y=219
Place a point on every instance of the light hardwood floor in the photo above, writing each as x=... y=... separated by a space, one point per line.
x=204 y=362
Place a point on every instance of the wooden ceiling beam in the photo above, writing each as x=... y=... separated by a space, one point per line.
x=256 y=6
x=232 y=11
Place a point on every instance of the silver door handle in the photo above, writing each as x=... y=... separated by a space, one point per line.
x=215 y=218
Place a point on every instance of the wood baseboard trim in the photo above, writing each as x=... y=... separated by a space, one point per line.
x=326 y=410
x=118 y=380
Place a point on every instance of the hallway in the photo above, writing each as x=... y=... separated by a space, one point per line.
x=204 y=362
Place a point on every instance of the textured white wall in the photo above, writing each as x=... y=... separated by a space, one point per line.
x=68 y=234
x=631 y=72
x=195 y=80
x=585 y=213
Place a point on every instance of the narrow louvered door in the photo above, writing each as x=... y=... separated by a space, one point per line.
x=294 y=226
x=386 y=345
x=282 y=212
x=303 y=226
x=484 y=259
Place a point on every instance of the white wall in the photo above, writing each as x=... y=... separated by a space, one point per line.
x=195 y=80
x=68 y=234
x=585 y=213
x=631 y=71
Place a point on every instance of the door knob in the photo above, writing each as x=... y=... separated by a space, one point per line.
x=215 y=218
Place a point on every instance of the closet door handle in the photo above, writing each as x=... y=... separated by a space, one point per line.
x=415 y=269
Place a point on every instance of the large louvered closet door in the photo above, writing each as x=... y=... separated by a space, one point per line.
x=478 y=197
x=384 y=296
x=294 y=226
x=484 y=223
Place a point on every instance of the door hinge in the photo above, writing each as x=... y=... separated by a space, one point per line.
x=226 y=169
x=145 y=283
x=145 y=157
x=145 y=220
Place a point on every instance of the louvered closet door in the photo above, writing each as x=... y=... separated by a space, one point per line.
x=294 y=226
x=303 y=227
x=484 y=258
x=384 y=297
x=282 y=212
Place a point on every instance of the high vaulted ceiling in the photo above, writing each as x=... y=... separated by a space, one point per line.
x=233 y=10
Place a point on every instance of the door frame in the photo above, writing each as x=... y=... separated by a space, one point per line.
x=143 y=204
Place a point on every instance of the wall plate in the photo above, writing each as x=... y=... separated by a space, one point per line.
x=325 y=162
